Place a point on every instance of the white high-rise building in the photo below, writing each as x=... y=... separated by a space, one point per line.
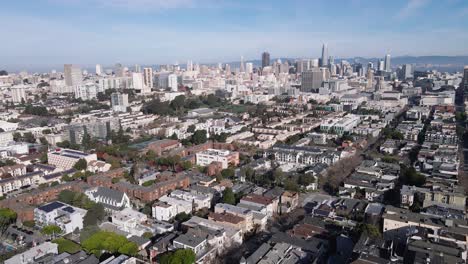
x=86 y=91
x=148 y=77
x=381 y=65
x=388 y=66
x=249 y=67
x=18 y=93
x=138 y=83
x=189 y=65
x=73 y=75
x=99 y=69
x=172 y=82
x=314 y=63
x=137 y=68
x=119 y=102
x=242 y=67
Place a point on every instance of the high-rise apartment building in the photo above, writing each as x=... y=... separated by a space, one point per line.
x=137 y=68
x=119 y=102
x=312 y=80
x=119 y=70
x=265 y=59
x=249 y=67
x=148 y=77
x=138 y=83
x=99 y=69
x=172 y=82
x=72 y=74
x=18 y=93
x=189 y=65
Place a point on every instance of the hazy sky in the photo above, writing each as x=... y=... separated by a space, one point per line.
x=53 y=32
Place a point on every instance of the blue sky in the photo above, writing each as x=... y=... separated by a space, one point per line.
x=53 y=32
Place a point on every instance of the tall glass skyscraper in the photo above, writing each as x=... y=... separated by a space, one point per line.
x=324 y=55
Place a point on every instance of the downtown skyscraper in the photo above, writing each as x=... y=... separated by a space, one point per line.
x=265 y=59
x=324 y=61
x=387 y=65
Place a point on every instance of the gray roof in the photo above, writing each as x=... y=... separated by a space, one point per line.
x=109 y=193
x=190 y=240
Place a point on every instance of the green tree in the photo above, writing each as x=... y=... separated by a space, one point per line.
x=94 y=215
x=191 y=128
x=182 y=217
x=278 y=175
x=228 y=173
x=7 y=216
x=51 y=230
x=81 y=164
x=180 y=256
x=199 y=137
x=228 y=196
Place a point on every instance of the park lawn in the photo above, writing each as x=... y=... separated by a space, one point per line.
x=65 y=245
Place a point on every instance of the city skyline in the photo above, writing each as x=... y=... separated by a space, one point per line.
x=160 y=32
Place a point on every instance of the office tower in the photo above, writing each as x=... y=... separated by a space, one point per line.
x=227 y=69
x=242 y=67
x=137 y=79
x=284 y=67
x=332 y=69
x=299 y=66
x=311 y=80
x=220 y=66
x=249 y=67
x=137 y=68
x=148 y=77
x=370 y=78
x=265 y=59
x=370 y=65
x=18 y=93
x=388 y=67
x=314 y=63
x=406 y=72
x=172 y=82
x=99 y=69
x=73 y=75
x=119 y=70
x=381 y=65
x=324 y=55
x=331 y=60
x=357 y=68
x=189 y=65
x=119 y=102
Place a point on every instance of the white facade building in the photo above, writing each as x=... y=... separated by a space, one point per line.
x=66 y=158
x=65 y=216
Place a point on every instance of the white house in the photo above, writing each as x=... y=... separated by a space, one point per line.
x=65 y=216
x=168 y=207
